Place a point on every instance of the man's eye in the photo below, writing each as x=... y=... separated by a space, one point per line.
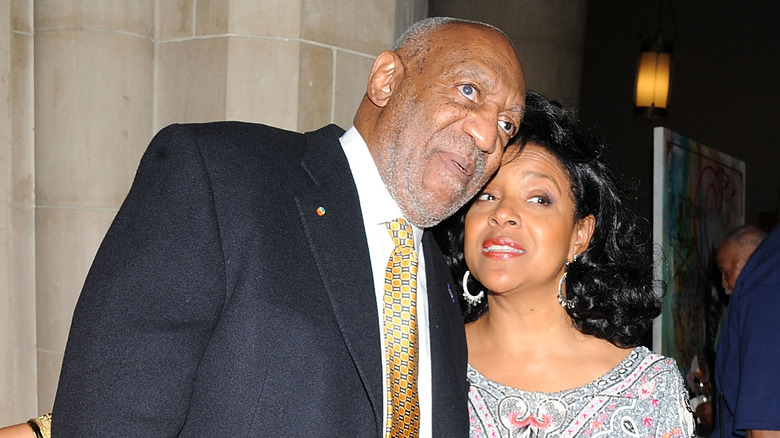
x=469 y=91
x=508 y=127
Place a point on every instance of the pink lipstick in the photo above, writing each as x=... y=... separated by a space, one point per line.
x=501 y=248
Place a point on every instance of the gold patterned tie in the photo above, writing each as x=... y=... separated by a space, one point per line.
x=400 y=317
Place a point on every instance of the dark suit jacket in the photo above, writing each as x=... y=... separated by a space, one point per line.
x=221 y=304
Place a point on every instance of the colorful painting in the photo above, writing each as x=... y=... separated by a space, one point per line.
x=699 y=194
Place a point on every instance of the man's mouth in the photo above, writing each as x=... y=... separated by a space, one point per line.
x=459 y=165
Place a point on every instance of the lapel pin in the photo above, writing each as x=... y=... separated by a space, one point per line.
x=449 y=289
x=320 y=211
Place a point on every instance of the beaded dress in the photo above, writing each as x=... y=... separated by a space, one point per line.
x=643 y=396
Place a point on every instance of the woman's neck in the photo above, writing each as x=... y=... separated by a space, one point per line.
x=513 y=326
x=534 y=345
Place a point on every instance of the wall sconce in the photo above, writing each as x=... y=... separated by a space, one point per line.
x=651 y=94
x=653 y=75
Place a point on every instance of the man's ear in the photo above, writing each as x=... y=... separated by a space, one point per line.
x=583 y=231
x=387 y=73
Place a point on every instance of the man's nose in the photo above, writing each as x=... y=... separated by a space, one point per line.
x=482 y=125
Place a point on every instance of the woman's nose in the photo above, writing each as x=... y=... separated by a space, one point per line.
x=504 y=216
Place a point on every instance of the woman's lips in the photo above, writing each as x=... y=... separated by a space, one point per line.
x=501 y=248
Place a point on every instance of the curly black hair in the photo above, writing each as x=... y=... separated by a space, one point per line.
x=611 y=284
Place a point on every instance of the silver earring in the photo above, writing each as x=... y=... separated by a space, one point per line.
x=471 y=299
x=566 y=304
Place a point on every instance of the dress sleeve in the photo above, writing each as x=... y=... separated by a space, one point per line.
x=151 y=299
x=674 y=414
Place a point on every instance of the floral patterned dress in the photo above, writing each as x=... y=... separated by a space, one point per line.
x=643 y=396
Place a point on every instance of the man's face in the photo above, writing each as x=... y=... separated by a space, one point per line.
x=730 y=262
x=443 y=131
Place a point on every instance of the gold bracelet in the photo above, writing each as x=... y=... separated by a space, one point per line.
x=41 y=426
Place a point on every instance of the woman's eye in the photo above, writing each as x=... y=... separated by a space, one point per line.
x=485 y=197
x=469 y=91
x=508 y=127
x=541 y=200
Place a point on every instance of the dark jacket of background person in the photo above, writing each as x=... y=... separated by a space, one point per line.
x=748 y=356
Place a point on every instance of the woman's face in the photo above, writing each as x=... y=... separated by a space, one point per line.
x=520 y=230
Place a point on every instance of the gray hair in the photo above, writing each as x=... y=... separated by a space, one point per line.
x=420 y=32
x=744 y=236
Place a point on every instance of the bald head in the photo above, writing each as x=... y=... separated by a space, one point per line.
x=424 y=38
x=438 y=111
x=734 y=251
x=420 y=33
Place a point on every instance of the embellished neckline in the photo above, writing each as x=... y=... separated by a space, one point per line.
x=623 y=367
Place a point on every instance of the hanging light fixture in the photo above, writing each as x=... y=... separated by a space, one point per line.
x=653 y=76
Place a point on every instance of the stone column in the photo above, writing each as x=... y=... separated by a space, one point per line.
x=93 y=118
x=295 y=64
x=18 y=396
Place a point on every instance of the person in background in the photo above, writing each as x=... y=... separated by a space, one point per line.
x=241 y=289
x=748 y=354
x=734 y=251
x=559 y=293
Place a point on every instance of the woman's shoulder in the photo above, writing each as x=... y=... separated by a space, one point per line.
x=652 y=362
x=645 y=373
x=641 y=370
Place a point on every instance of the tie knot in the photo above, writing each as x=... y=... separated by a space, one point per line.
x=401 y=232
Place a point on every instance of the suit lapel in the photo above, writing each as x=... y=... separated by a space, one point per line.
x=448 y=346
x=333 y=224
x=337 y=240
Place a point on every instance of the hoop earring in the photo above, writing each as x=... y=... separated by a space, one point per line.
x=565 y=303
x=471 y=299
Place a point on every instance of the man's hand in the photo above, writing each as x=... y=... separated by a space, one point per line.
x=763 y=434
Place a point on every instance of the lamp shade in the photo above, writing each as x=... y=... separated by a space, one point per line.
x=652 y=80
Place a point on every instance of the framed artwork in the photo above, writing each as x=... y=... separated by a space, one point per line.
x=698 y=195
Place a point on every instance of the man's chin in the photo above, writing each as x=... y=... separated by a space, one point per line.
x=428 y=214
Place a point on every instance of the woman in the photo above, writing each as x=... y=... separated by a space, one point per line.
x=559 y=293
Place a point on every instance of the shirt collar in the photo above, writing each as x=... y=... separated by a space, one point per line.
x=377 y=204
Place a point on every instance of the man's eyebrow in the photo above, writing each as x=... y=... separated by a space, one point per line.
x=475 y=72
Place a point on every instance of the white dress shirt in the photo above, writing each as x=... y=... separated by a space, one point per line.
x=378 y=208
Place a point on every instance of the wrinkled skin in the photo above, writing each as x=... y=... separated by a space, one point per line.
x=436 y=118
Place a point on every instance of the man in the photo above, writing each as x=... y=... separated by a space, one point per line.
x=748 y=350
x=734 y=251
x=240 y=289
